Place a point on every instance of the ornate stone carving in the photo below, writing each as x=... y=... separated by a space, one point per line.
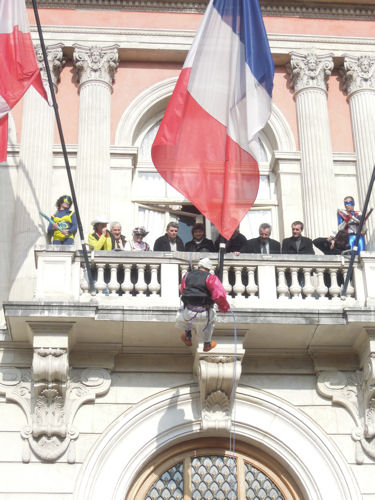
x=95 y=63
x=355 y=391
x=56 y=62
x=309 y=70
x=218 y=378
x=358 y=73
x=50 y=400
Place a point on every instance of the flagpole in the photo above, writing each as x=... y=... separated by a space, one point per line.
x=221 y=258
x=63 y=146
x=358 y=235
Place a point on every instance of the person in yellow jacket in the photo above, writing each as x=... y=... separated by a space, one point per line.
x=65 y=222
x=100 y=238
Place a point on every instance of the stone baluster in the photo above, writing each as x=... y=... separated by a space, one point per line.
x=238 y=286
x=334 y=289
x=154 y=285
x=100 y=284
x=309 y=74
x=95 y=68
x=282 y=287
x=141 y=285
x=34 y=180
x=308 y=288
x=321 y=289
x=127 y=285
x=227 y=286
x=113 y=284
x=252 y=287
x=295 y=288
x=350 y=289
x=84 y=281
x=358 y=75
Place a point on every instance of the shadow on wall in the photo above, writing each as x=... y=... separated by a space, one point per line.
x=28 y=227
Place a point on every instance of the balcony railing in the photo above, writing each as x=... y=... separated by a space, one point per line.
x=153 y=278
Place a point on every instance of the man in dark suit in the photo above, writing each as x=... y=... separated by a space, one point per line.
x=170 y=242
x=297 y=243
x=263 y=244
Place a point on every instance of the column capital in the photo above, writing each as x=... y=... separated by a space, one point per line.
x=56 y=62
x=95 y=63
x=358 y=73
x=309 y=70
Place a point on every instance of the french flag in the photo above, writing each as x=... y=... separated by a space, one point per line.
x=18 y=65
x=207 y=145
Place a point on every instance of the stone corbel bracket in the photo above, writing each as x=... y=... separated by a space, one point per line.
x=51 y=394
x=355 y=391
x=49 y=431
x=218 y=373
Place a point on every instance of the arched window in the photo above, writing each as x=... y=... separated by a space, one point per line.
x=158 y=202
x=212 y=473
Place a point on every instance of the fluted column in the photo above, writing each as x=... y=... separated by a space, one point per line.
x=309 y=74
x=34 y=183
x=359 y=82
x=95 y=71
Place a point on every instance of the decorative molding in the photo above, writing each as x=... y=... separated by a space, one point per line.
x=56 y=62
x=148 y=105
x=309 y=70
x=169 y=418
x=355 y=391
x=358 y=73
x=296 y=8
x=95 y=63
x=50 y=400
x=218 y=376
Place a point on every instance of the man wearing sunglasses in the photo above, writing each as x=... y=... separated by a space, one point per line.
x=348 y=220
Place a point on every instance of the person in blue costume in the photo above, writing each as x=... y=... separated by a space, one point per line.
x=348 y=220
x=65 y=222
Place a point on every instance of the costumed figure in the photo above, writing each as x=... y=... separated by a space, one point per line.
x=137 y=244
x=200 y=290
x=63 y=225
x=348 y=220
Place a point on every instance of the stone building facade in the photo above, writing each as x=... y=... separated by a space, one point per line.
x=99 y=399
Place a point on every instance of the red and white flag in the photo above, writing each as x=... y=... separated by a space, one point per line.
x=18 y=66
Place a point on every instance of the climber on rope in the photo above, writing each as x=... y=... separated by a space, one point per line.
x=200 y=290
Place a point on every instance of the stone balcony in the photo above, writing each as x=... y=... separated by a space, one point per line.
x=287 y=318
x=279 y=303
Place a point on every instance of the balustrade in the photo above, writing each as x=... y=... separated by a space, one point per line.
x=249 y=280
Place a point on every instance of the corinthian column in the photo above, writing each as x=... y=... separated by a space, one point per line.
x=34 y=184
x=95 y=71
x=359 y=82
x=309 y=74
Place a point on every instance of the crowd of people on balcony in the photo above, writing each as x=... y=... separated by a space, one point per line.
x=63 y=227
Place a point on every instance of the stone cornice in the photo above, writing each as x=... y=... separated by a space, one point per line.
x=350 y=9
x=172 y=45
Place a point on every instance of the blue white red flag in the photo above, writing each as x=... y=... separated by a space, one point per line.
x=207 y=145
x=18 y=65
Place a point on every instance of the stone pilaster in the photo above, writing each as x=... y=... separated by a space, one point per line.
x=359 y=82
x=95 y=72
x=309 y=74
x=34 y=185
